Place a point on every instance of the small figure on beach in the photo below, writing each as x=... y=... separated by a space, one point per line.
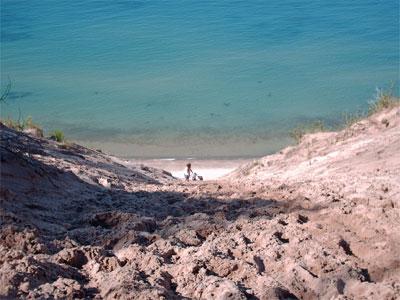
x=189 y=173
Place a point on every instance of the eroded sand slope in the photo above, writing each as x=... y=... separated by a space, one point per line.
x=319 y=220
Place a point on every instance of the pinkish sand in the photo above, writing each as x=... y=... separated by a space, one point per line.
x=319 y=220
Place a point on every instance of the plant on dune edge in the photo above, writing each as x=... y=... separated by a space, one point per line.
x=28 y=124
x=383 y=100
x=301 y=130
x=25 y=124
x=58 y=136
x=22 y=125
x=351 y=118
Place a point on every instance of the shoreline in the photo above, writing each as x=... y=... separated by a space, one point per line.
x=210 y=169
x=241 y=147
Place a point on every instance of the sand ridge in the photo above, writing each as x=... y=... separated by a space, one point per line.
x=316 y=221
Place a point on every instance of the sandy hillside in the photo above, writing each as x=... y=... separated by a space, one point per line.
x=320 y=220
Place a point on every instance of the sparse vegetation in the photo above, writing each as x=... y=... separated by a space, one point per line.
x=22 y=125
x=28 y=124
x=301 y=130
x=12 y=124
x=384 y=99
x=349 y=119
x=58 y=136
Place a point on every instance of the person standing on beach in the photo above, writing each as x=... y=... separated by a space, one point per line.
x=188 y=171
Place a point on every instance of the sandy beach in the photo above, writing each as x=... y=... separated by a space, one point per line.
x=209 y=169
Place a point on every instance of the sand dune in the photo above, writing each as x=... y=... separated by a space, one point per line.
x=316 y=221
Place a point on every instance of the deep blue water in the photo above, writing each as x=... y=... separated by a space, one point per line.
x=194 y=78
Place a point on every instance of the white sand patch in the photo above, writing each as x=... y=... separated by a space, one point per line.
x=206 y=173
x=208 y=169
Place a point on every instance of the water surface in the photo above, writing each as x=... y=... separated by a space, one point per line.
x=194 y=78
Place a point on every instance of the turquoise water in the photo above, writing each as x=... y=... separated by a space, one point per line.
x=194 y=78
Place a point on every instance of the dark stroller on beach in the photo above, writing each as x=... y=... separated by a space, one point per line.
x=194 y=177
x=197 y=177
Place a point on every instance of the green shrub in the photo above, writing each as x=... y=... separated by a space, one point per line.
x=58 y=136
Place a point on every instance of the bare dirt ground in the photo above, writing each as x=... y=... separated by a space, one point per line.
x=320 y=220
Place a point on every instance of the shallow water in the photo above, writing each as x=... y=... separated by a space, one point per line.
x=194 y=78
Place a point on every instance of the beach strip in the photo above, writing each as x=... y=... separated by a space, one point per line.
x=209 y=169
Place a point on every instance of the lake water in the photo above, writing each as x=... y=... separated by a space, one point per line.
x=194 y=78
